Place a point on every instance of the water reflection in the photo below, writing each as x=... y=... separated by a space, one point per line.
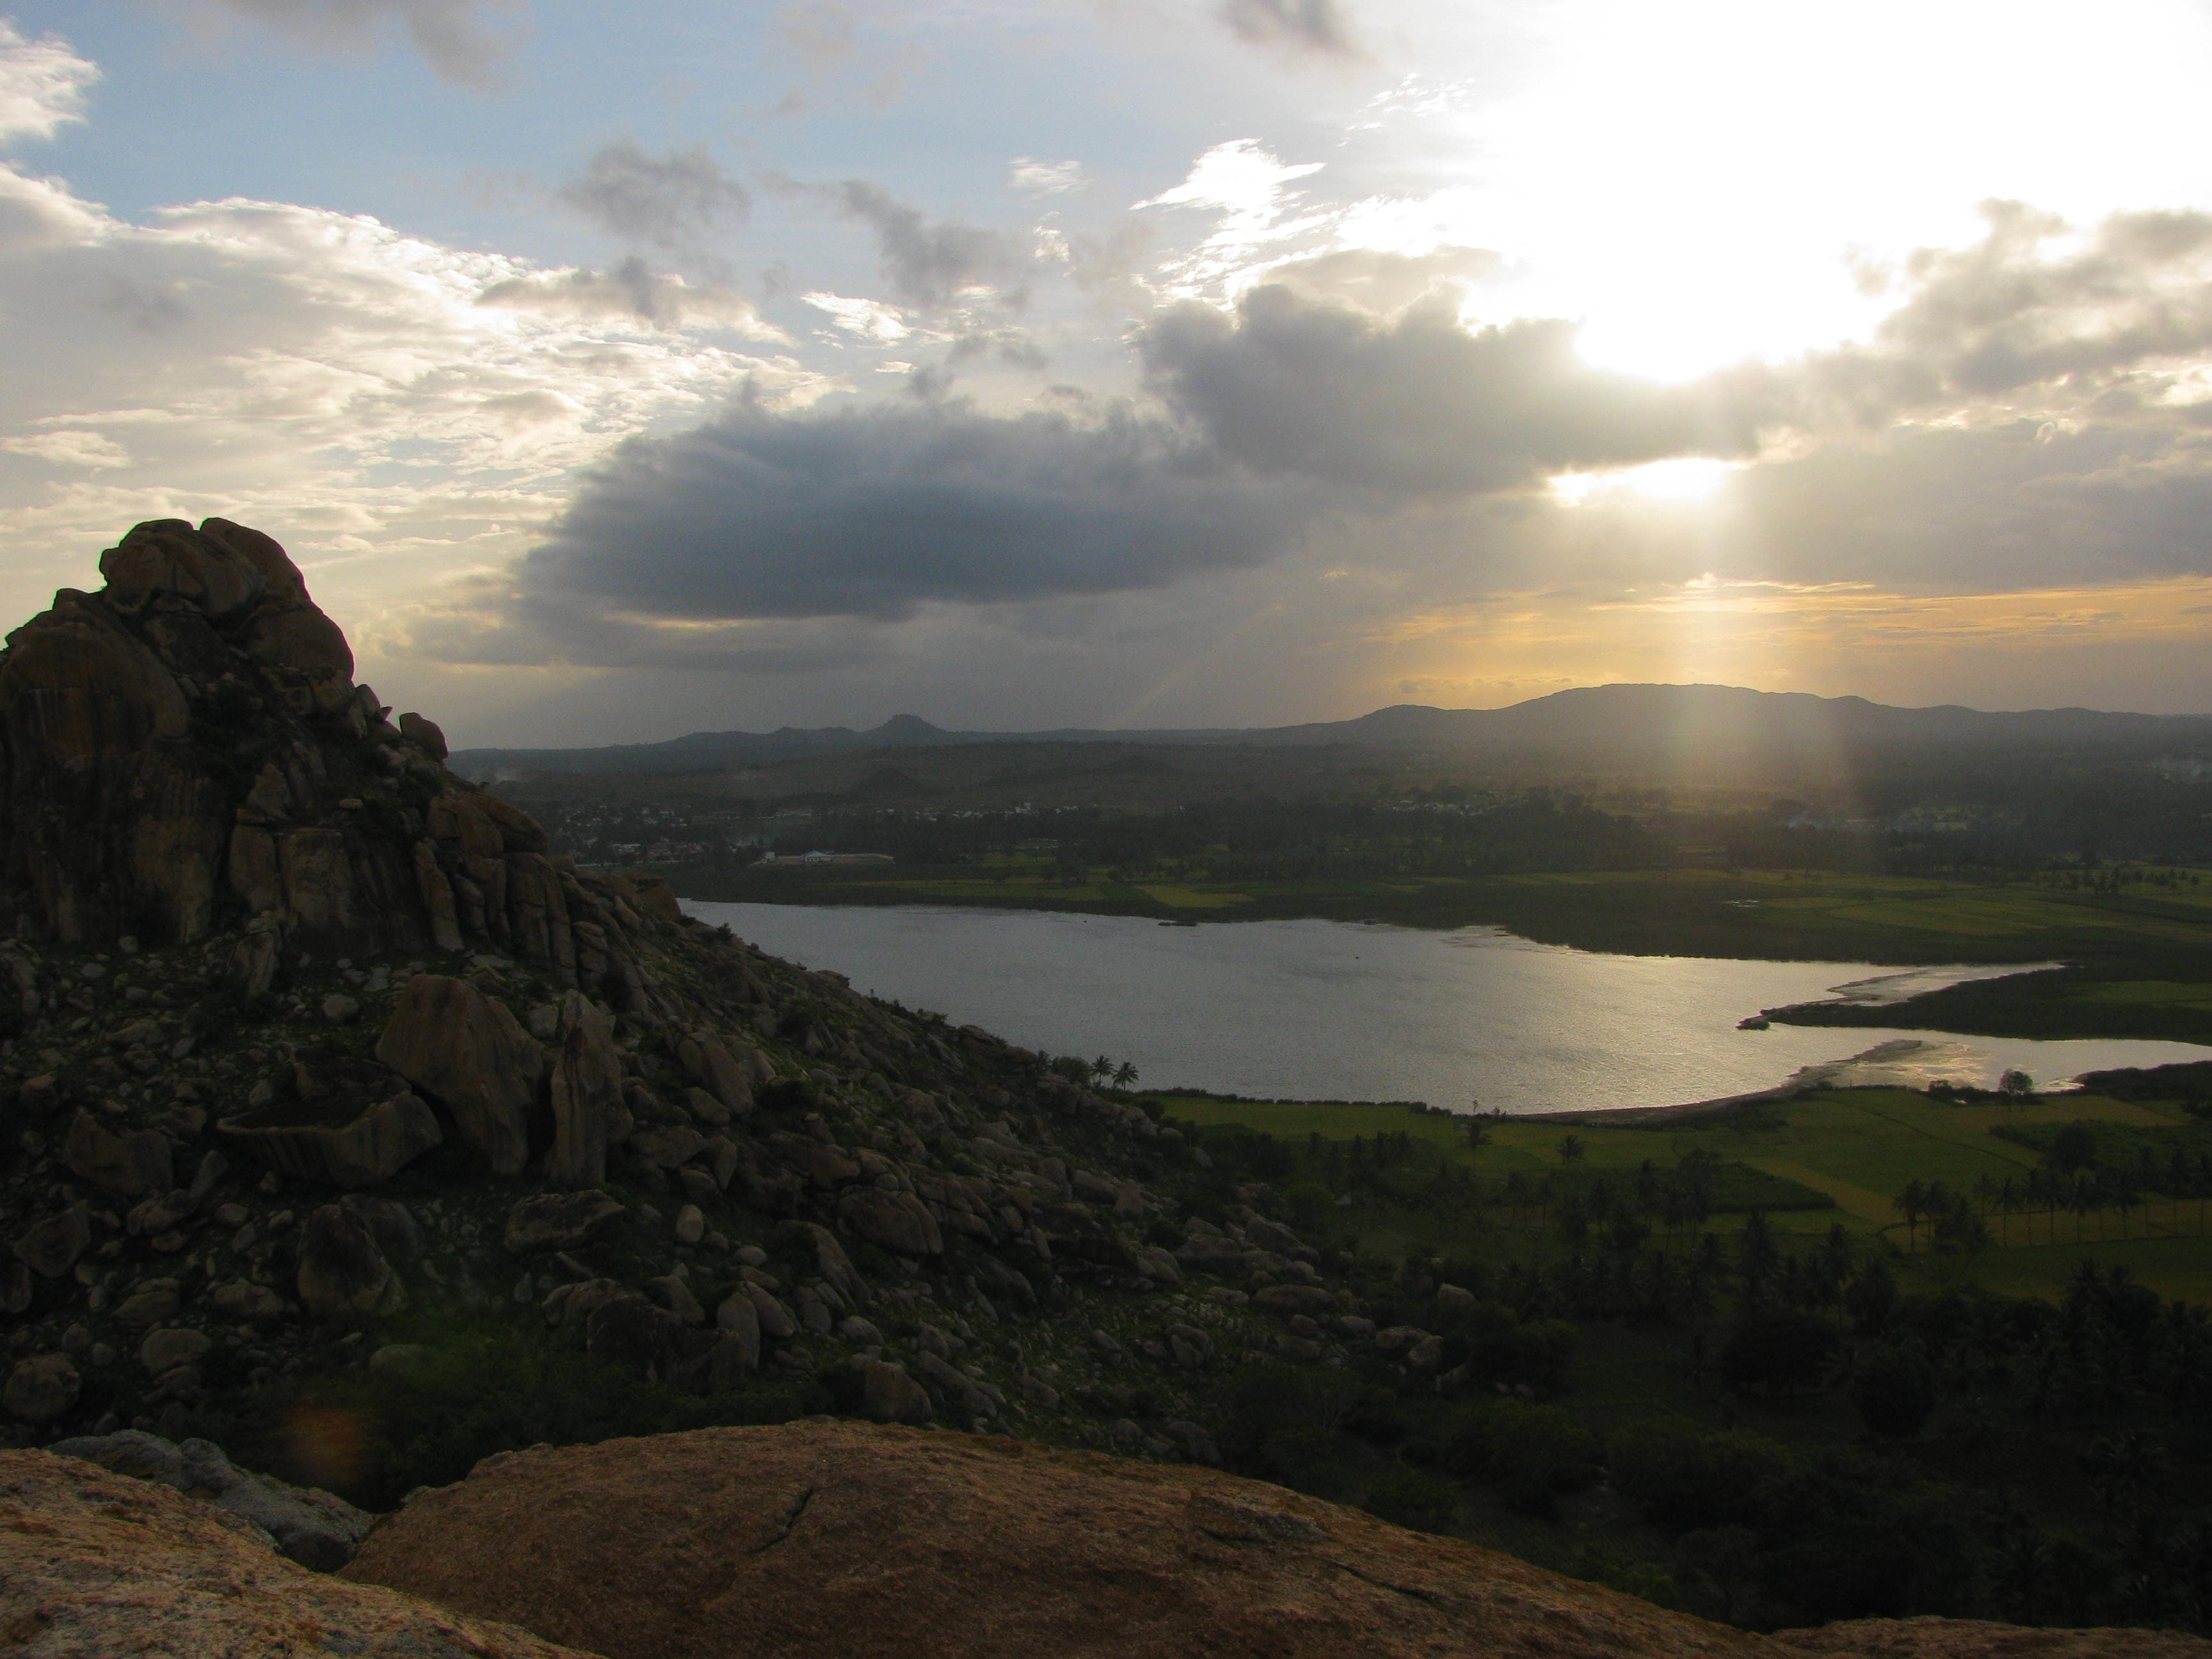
x=1360 y=1011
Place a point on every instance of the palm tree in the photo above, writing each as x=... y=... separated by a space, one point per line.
x=1125 y=1075
x=1912 y=1204
x=1571 y=1148
x=1102 y=1068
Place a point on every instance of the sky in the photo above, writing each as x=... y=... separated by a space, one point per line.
x=615 y=371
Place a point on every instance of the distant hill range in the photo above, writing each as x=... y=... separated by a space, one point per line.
x=1695 y=728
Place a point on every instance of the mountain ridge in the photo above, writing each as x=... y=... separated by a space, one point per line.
x=1716 y=723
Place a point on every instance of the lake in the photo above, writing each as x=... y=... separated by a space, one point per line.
x=1353 y=1010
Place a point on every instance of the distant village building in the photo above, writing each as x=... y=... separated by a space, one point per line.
x=769 y=857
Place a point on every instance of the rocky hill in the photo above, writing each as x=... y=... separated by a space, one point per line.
x=311 y=1049
x=344 y=1126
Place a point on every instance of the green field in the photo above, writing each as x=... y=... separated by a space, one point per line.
x=1781 y=915
x=1856 y=1147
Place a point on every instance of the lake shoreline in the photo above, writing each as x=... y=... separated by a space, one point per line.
x=1475 y=1019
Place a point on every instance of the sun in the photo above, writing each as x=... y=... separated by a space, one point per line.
x=1681 y=478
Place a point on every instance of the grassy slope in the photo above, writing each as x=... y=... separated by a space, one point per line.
x=1775 y=915
x=1860 y=1146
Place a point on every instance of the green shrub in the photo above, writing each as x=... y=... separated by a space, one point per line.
x=1892 y=1389
x=480 y=1391
x=1683 y=1476
x=1778 y=1350
x=1531 y=1453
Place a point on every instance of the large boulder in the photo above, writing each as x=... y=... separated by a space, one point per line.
x=343 y=1274
x=316 y=1529
x=346 y=1122
x=844 y=1538
x=50 y=1248
x=586 y=1094
x=559 y=1221
x=708 y=1062
x=897 y=1221
x=92 y=1562
x=42 y=1388
x=468 y=1053
x=129 y=1165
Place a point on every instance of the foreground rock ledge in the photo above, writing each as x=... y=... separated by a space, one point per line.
x=843 y=1539
x=93 y=1563
x=840 y=1539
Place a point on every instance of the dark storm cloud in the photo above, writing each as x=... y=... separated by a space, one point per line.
x=1418 y=405
x=668 y=201
x=875 y=513
x=1317 y=25
x=926 y=264
x=2031 y=415
x=455 y=37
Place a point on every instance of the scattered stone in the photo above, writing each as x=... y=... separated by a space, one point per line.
x=42 y=1388
x=690 y=1224
x=129 y=1166
x=247 y=1302
x=153 y=1303
x=1309 y=1300
x=339 y=1009
x=164 y=1351
x=50 y=1248
x=343 y=1274
x=888 y=1395
x=559 y=1221
x=896 y=1221
x=405 y=1360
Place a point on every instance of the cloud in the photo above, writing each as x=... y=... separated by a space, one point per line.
x=632 y=288
x=1382 y=283
x=1419 y=404
x=1315 y=25
x=870 y=320
x=42 y=84
x=457 y=38
x=1036 y=178
x=325 y=374
x=926 y=264
x=1248 y=187
x=2034 y=314
x=874 y=514
x=668 y=202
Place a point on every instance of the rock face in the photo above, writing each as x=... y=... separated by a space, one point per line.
x=345 y=1122
x=186 y=751
x=92 y=1562
x=841 y=1539
x=1969 y=1638
x=313 y=1528
x=469 y=1053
